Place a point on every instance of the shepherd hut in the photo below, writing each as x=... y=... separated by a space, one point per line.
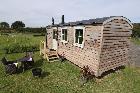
x=101 y=44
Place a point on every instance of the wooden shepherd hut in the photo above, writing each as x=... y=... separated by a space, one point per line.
x=101 y=44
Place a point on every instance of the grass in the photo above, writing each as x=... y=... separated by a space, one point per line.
x=20 y=39
x=24 y=39
x=63 y=77
x=136 y=41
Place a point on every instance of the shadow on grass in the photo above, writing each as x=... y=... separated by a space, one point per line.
x=38 y=63
x=111 y=71
x=45 y=74
x=98 y=79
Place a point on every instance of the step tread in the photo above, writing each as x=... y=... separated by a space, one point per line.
x=53 y=57
x=52 y=54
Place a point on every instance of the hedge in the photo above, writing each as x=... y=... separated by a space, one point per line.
x=17 y=48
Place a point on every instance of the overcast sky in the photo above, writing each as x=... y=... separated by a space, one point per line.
x=36 y=13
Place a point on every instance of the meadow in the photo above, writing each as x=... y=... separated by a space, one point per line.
x=60 y=77
x=136 y=41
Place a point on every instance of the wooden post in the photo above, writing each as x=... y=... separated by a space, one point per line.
x=46 y=40
x=44 y=43
x=40 y=48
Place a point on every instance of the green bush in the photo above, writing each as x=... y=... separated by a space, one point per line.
x=6 y=30
x=17 y=48
x=38 y=35
x=23 y=30
x=31 y=30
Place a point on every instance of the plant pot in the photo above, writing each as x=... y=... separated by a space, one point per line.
x=37 y=72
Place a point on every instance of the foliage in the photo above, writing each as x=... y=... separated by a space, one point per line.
x=7 y=30
x=136 y=30
x=136 y=41
x=31 y=30
x=17 y=24
x=5 y=34
x=41 y=30
x=18 y=48
x=4 y=25
x=18 y=43
x=38 y=35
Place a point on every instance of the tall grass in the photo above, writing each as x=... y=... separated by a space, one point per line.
x=19 y=42
x=136 y=41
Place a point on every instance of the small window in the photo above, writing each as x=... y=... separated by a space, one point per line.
x=54 y=34
x=64 y=35
x=79 y=36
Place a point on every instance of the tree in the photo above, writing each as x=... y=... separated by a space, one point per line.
x=17 y=24
x=4 y=25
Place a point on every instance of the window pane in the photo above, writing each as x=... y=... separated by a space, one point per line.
x=76 y=36
x=81 y=36
x=63 y=38
x=65 y=35
x=63 y=31
x=80 y=40
x=81 y=32
x=53 y=34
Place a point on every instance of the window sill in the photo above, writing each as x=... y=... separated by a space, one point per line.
x=79 y=45
x=63 y=41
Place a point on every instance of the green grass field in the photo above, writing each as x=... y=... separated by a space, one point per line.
x=136 y=41
x=61 y=77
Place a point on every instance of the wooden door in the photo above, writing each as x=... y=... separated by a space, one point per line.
x=54 y=42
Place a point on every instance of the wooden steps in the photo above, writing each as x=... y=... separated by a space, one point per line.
x=51 y=55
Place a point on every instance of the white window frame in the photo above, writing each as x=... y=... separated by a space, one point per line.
x=77 y=44
x=64 y=41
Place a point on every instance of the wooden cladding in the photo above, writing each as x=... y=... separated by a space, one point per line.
x=105 y=46
x=115 y=45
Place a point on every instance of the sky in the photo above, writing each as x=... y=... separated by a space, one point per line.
x=38 y=13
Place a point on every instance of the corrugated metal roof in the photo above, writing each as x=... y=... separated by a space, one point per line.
x=84 y=22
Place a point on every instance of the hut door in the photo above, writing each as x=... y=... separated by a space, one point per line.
x=54 y=42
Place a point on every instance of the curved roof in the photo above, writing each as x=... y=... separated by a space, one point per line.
x=118 y=17
x=96 y=21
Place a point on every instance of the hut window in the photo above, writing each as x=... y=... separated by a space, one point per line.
x=54 y=34
x=79 y=35
x=64 y=35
